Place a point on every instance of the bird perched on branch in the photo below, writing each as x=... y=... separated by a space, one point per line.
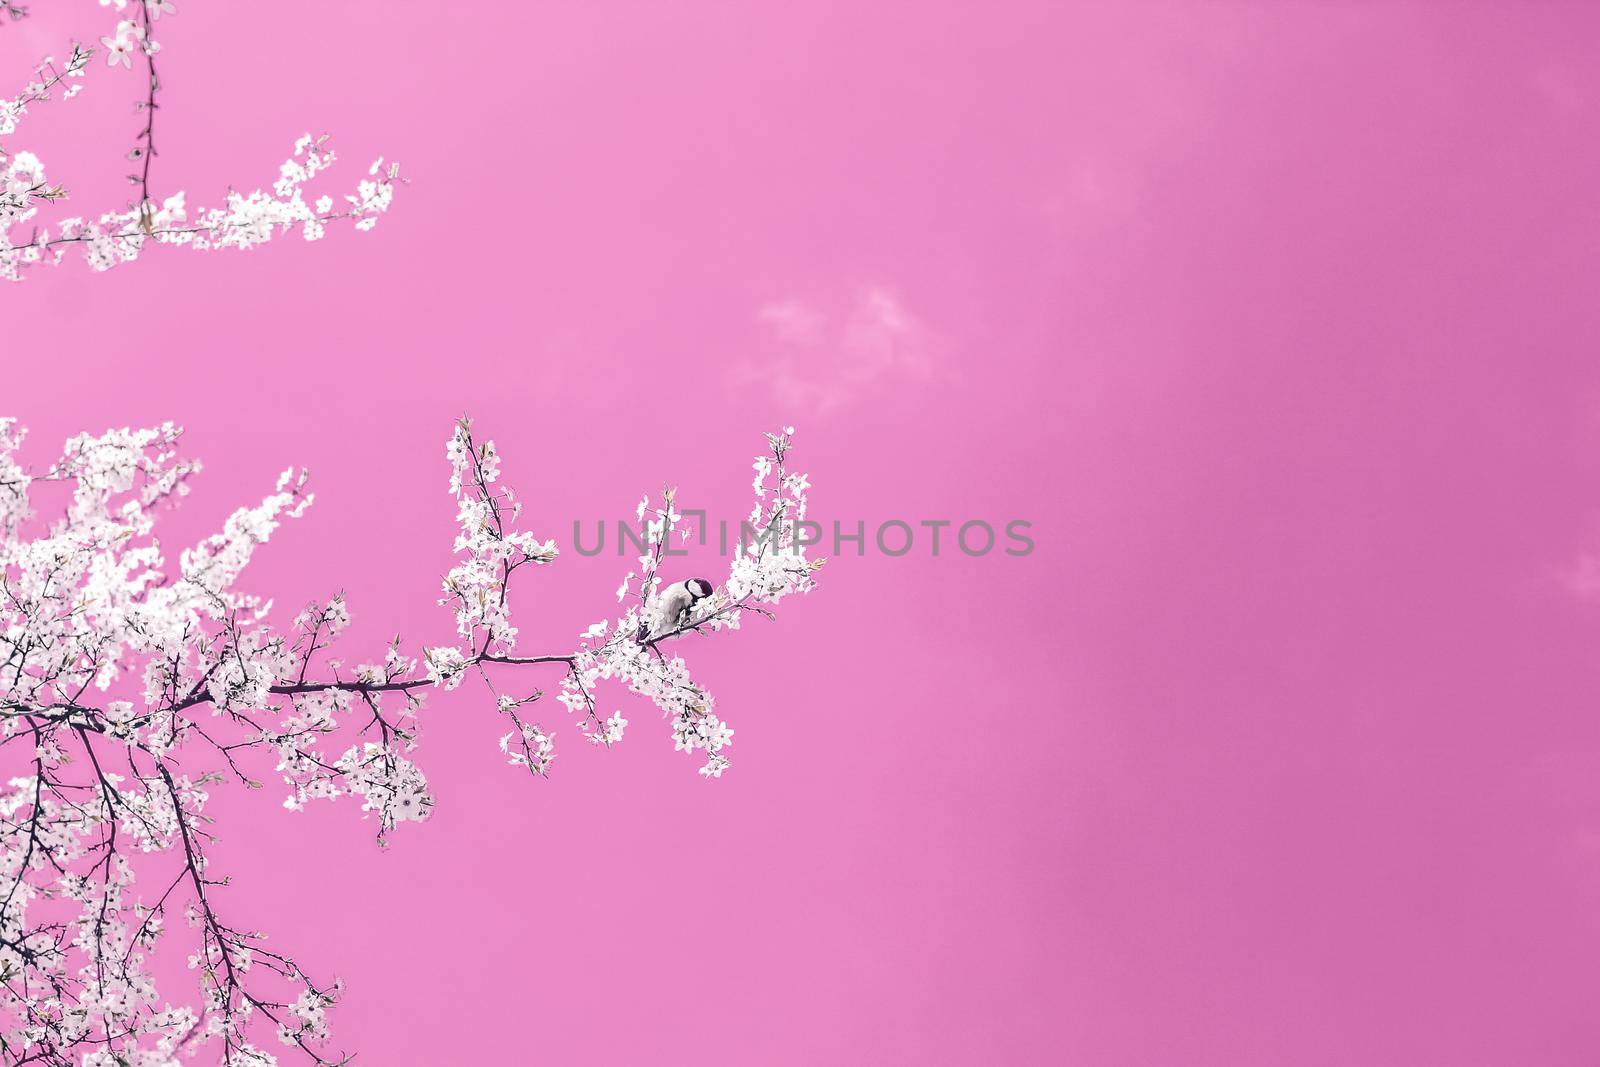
x=675 y=604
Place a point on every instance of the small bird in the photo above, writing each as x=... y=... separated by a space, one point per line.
x=676 y=602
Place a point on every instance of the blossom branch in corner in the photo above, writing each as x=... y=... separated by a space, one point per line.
x=130 y=692
x=117 y=236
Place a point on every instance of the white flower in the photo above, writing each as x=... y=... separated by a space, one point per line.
x=610 y=731
x=121 y=46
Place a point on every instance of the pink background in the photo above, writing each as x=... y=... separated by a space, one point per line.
x=1277 y=321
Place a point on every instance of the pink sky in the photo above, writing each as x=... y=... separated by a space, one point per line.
x=1276 y=321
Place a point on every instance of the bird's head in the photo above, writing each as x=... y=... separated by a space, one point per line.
x=698 y=588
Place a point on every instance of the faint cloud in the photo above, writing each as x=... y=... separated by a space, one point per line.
x=792 y=322
x=1581 y=577
x=822 y=358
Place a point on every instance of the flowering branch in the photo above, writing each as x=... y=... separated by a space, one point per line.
x=149 y=11
x=118 y=236
x=128 y=694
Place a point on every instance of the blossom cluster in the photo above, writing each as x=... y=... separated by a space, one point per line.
x=771 y=566
x=244 y=220
x=133 y=688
